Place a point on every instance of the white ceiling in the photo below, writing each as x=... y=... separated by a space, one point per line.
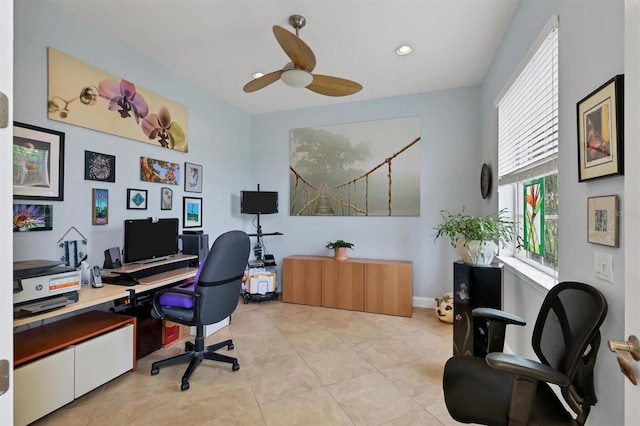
x=219 y=44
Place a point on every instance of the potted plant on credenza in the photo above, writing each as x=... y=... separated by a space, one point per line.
x=340 y=249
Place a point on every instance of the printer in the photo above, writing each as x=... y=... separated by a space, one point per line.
x=42 y=285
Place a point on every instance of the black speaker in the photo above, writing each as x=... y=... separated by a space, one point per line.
x=112 y=258
x=195 y=244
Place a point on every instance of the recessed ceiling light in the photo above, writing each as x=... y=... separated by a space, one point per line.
x=403 y=50
x=257 y=75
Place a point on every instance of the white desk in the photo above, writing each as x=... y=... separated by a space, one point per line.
x=89 y=296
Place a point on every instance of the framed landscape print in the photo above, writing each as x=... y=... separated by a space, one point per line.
x=602 y=221
x=38 y=163
x=100 y=167
x=32 y=217
x=192 y=212
x=100 y=206
x=136 y=199
x=192 y=177
x=159 y=171
x=601 y=130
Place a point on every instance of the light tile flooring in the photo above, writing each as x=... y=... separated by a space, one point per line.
x=300 y=365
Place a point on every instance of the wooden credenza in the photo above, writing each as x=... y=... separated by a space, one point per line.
x=369 y=285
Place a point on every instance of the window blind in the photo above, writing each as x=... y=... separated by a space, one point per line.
x=528 y=116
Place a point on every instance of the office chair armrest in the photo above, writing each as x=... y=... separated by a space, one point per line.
x=498 y=315
x=497 y=325
x=526 y=368
x=157 y=307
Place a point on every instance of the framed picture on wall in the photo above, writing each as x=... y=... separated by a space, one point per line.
x=192 y=212
x=166 y=198
x=101 y=167
x=136 y=199
x=38 y=163
x=192 y=177
x=601 y=130
x=100 y=206
x=32 y=217
x=602 y=221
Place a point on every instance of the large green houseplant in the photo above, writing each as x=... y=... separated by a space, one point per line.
x=476 y=237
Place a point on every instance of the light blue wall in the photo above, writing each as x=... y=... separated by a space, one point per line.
x=591 y=51
x=219 y=136
x=449 y=178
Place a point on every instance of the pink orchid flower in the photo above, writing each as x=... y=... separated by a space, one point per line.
x=123 y=98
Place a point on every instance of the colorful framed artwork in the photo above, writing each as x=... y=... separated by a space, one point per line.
x=166 y=198
x=192 y=177
x=534 y=216
x=100 y=167
x=136 y=199
x=602 y=221
x=192 y=212
x=32 y=217
x=86 y=96
x=38 y=163
x=100 y=206
x=601 y=130
x=159 y=171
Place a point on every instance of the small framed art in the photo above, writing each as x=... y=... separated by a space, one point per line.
x=601 y=130
x=192 y=212
x=101 y=167
x=136 y=199
x=166 y=198
x=100 y=206
x=38 y=163
x=32 y=217
x=602 y=221
x=192 y=177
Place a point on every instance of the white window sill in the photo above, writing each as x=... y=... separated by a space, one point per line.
x=534 y=277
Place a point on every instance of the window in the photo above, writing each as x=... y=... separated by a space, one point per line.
x=528 y=152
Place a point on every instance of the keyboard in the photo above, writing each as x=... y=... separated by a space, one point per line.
x=118 y=281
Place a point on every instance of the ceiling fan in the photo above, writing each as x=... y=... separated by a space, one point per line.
x=298 y=72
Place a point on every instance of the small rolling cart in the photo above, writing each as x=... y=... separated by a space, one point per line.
x=260 y=284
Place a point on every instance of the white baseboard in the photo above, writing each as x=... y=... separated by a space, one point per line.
x=424 y=302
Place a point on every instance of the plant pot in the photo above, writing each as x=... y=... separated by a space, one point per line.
x=340 y=253
x=477 y=253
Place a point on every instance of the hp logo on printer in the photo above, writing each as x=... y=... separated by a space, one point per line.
x=39 y=287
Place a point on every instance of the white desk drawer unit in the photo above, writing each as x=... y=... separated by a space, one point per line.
x=43 y=386
x=61 y=361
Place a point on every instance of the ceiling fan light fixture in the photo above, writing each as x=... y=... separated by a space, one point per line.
x=296 y=78
x=403 y=50
x=257 y=75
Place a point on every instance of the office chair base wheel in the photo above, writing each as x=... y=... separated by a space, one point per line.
x=155 y=371
x=230 y=347
x=184 y=386
x=235 y=367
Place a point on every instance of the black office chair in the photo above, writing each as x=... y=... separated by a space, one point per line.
x=504 y=389
x=214 y=297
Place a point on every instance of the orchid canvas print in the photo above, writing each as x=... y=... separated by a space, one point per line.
x=85 y=96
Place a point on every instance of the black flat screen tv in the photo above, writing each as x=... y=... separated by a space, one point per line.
x=258 y=202
x=146 y=240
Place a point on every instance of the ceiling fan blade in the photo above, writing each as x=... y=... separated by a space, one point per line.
x=333 y=86
x=296 y=49
x=261 y=82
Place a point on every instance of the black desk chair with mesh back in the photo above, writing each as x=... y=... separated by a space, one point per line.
x=506 y=389
x=214 y=297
